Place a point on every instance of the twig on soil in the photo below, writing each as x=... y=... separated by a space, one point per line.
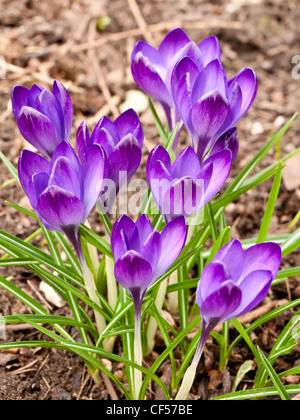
x=109 y=387
x=140 y=21
x=25 y=368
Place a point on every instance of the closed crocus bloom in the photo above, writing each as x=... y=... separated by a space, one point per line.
x=63 y=192
x=141 y=254
x=184 y=187
x=209 y=104
x=234 y=283
x=122 y=141
x=152 y=69
x=44 y=118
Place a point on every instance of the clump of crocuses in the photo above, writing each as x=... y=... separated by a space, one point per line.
x=234 y=283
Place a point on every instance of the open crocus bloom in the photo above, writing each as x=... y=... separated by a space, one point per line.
x=44 y=118
x=236 y=281
x=142 y=255
x=122 y=141
x=207 y=103
x=63 y=192
x=184 y=187
x=152 y=69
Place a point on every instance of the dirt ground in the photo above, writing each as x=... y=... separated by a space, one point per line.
x=68 y=40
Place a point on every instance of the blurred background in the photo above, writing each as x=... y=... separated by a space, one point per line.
x=87 y=44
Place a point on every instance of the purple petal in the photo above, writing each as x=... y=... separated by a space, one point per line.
x=212 y=77
x=207 y=116
x=94 y=172
x=124 y=161
x=184 y=197
x=159 y=181
x=29 y=164
x=148 y=79
x=182 y=81
x=38 y=130
x=254 y=288
x=118 y=239
x=60 y=209
x=265 y=256
x=34 y=94
x=221 y=305
x=48 y=105
x=159 y=153
x=186 y=164
x=129 y=123
x=141 y=232
x=233 y=257
x=64 y=149
x=105 y=140
x=247 y=82
x=83 y=139
x=230 y=141
x=233 y=116
x=213 y=276
x=109 y=127
x=221 y=165
x=19 y=97
x=65 y=102
x=65 y=176
x=152 y=55
x=210 y=49
x=133 y=272
x=40 y=181
x=173 y=42
x=173 y=239
x=151 y=250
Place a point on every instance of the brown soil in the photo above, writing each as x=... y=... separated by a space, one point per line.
x=59 y=39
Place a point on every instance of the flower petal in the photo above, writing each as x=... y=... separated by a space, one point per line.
x=83 y=139
x=141 y=232
x=65 y=176
x=212 y=77
x=94 y=172
x=230 y=141
x=151 y=250
x=221 y=165
x=247 y=82
x=173 y=238
x=221 y=305
x=264 y=256
x=186 y=164
x=19 y=97
x=254 y=287
x=64 y=99
x=159 y=153
x=109 y=127
x=207 y=116
x=38 y=130
x=128 y=123
x=210 y=49
x=29 y=164
x=233 y=257
x=61 y=209
x=48 y=105
x=174 y=41
x=213 y=276
x=64 y=149
x=123 y=224
x=133 y=272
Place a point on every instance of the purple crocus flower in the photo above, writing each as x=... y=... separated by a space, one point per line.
x=44 y=118
x=234 y=283
x=184 y=187
x=152 y=69
x=142 y=255
x=207 y=103
x=122 y=141
x=63 y=192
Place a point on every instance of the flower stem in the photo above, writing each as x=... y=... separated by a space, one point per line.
x=190 y=373
x=138 y=353
x=88 y=280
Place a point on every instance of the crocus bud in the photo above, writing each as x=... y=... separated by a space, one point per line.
x=142 y=255
x=44 y=118
x=122 y=141
x=184 y=187
x=63 y=192
x=207 y=103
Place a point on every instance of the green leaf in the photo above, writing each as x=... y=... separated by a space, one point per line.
x=274 y=377
x=243 y=370
x=95 y=240
x=256 y=393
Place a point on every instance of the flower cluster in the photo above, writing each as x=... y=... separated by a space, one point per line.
x=190 y=83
